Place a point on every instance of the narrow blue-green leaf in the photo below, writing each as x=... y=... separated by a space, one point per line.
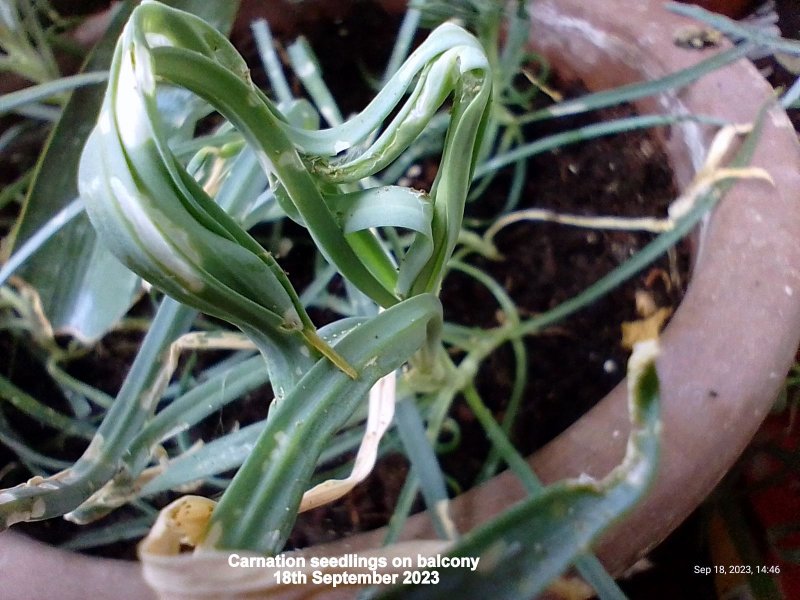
x=791 y=99
x=14 y=100
x=62 y=271
x=43 y=235
x=42 y=413
x=585 y=133
x=254 y=513
x=532 y=543
x=54 y=496
x=229 y=452
x=423 y=460
x=124 y=531
x=243 y=186
x=635 y=91
x=84 y=290
x=271 y=62
x=403 y=42
x=40 y=111
x=736 y=30
x=216 y=457
x=305 y=65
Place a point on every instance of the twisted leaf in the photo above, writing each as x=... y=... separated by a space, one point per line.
x=165 y=227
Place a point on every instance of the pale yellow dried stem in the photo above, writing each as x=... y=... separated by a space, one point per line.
x=706 y=178
x=381 y=411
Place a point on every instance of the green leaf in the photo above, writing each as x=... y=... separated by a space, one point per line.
x=255 y=513
x=53 y=496
x=15 y=100
x=535 y=541
x=42 y=413
x=402 y=207
x=220 y=15
x=82 y=288
x=162 y=224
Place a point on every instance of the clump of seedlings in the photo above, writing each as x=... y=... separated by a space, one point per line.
x=176 y=207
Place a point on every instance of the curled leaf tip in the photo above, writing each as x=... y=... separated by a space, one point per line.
x=183 y=522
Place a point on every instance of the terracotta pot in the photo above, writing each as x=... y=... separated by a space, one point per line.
x=730 y=342
x=734 y=336
x=31 y=570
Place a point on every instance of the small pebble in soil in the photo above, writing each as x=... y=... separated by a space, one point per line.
x=610 y=366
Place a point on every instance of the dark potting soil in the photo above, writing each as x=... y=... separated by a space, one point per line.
x=573 y=364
